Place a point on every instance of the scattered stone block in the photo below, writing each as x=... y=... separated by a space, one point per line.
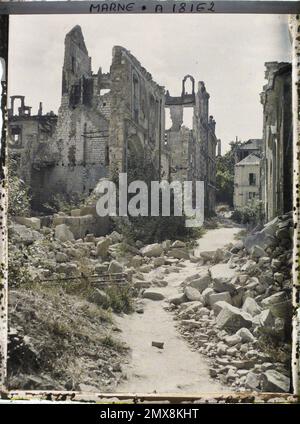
x=115 y=267
x=217 y=297
x=63 y=233
x=232 y=318
x=274 y=381
x=251 y=307
x=159 y=345
x=152 y=250
x=192 y=294
x=153 y=295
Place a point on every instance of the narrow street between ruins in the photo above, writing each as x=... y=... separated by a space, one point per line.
x=176 y=367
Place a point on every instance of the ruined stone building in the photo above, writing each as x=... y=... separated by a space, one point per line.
x=193 y=151
x=277 y=161
x=30 y=139
x=109 y=122
x=246 y=181
x=264 y=168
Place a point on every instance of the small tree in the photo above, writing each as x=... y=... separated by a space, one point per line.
x=225 y=174
x=150 y=229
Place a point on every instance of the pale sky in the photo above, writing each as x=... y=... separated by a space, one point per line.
x=227 y=52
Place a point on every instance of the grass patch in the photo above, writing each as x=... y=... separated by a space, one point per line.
x=120 y=299
x=240 y=235
x=110 y=342
x=94 y=312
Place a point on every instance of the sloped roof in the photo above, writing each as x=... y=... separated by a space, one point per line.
x=249 y=160
x=253 y=143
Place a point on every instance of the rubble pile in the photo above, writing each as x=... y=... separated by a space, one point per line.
x=53 y=253
x=237 y=309
x=45 y=263
x=61 y=342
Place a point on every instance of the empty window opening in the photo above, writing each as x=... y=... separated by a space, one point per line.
x=73 y=64
x=135 y=98
x=17 y=105
x=252 y=179
x=168 y=120
x=106 y=155
x=188 y=113
x=188 y=86
x=104 y=91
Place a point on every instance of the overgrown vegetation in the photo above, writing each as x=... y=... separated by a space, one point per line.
x=120 y=299
x=241 y=235
x=109 y=341
x=60 y=342
x=151 y=229
x=63 y=203
x=249 y=214
x=18 y=272
x=18 y=192
x=225 y=175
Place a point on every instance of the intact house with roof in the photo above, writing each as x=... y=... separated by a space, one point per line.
x=246 y=181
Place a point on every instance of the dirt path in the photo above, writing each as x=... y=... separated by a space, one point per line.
x=176 y=368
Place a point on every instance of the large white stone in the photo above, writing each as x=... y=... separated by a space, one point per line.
x=63 y=233
x=153 y=294
x=274 y=381
x=218 y=306
x=245 y=335
x=221 y=273
x=232 y=318
x=152 y=250
x=23 y=235
x=115 y=267
x=251 y=307
x=202 y=282
x=206 y=293
x=217 y=297
x=279 y=305
x=102 y=247
x=33 y=222
x=178 y=243
x=192 y=294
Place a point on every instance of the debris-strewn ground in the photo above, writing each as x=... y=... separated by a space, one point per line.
x=232 y=304
x=237 y=310
x=59 y=341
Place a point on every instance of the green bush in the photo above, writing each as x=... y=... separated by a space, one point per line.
x=110 y=342
x=18 y=192
x=154 y=229
x=18 y=270
x=120 y=299
x=62 y=203
x=249 y=214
